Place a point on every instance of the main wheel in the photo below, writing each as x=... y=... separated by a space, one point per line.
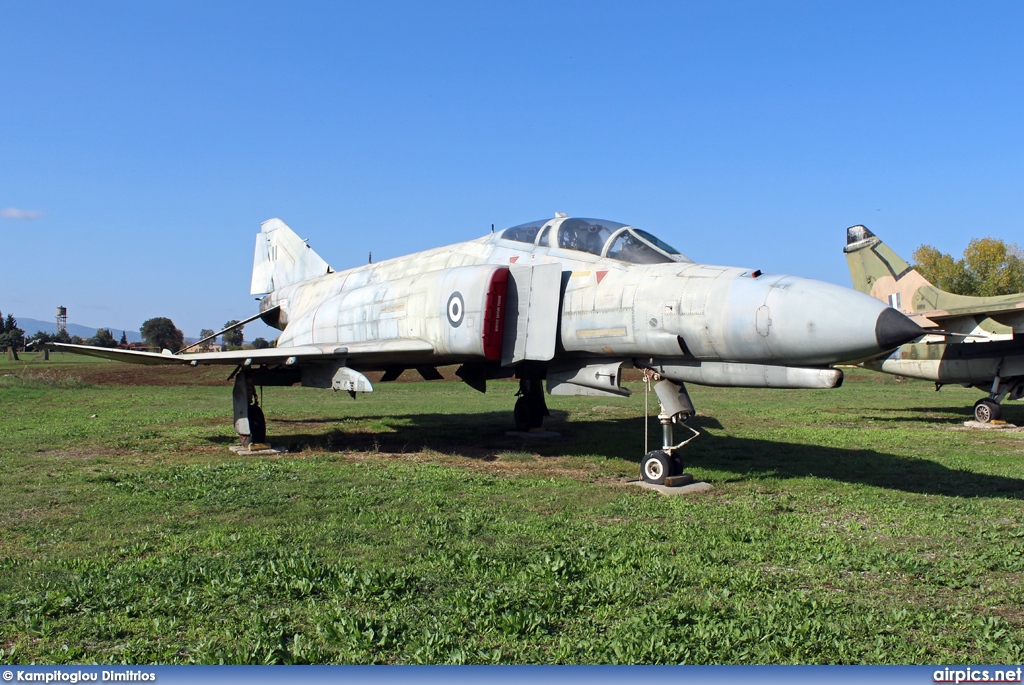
x=656 y=466
x=257 y=424
x=529 y=414
x=986 y=410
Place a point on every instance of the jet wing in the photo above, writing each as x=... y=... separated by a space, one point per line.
x=974 y=310
x=270 y=355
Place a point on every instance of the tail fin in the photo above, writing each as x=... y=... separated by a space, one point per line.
x=282 y=259
x=878 y=271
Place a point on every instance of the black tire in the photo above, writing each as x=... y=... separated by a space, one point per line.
x=986 y=410
x=528 y=414
x=656 y=466
x=257 y=424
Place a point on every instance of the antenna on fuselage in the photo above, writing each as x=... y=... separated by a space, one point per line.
x=371 y=256
x=492 y=228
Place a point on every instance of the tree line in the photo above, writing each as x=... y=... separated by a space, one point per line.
x=162 y=333
x=158 y=332
x=989 y=267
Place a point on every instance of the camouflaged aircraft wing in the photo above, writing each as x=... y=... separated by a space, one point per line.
x=991 y=309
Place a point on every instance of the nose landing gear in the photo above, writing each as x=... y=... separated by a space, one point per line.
x=664 y=466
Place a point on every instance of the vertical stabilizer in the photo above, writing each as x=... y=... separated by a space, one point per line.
x=283 y=258
x=878 y=271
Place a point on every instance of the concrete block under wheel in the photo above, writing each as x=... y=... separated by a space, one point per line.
x=258 y=448
x=991 y=425
x=691 y=489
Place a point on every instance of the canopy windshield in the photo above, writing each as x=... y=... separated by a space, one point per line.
x=524 y=233
x=597 y=237
x=640 y=247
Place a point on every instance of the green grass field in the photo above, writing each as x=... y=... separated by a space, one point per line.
x=860 y=525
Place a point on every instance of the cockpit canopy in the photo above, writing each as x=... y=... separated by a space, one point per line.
x=598 y=237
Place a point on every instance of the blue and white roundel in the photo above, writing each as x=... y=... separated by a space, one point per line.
x=456 y=309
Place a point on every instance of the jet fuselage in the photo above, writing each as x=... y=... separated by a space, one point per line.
x=607 y=307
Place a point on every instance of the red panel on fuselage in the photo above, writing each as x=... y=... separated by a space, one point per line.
x=494 y=314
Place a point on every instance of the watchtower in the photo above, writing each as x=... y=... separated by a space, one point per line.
x=62 y=319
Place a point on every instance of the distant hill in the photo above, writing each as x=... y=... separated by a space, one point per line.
x=30 y=326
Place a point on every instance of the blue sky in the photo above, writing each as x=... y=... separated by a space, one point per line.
x=153 y=138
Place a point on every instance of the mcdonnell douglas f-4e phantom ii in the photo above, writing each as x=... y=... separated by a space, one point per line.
x=979 y=343
x=568 y=301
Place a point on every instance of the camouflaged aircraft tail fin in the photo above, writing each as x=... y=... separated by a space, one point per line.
x=878 y=271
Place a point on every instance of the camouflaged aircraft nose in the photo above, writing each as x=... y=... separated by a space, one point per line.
x=892 y=329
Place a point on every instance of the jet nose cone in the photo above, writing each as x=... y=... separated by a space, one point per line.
x=892 y=329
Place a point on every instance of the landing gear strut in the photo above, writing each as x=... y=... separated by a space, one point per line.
x=250 y=424
x=530 y=408
x=664 y=465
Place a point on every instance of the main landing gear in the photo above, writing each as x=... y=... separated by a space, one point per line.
x=530 y=408
x=250 y=424
x=988 y=409
x=664 y=466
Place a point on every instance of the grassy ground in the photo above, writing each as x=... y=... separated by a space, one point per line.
x=856 y=525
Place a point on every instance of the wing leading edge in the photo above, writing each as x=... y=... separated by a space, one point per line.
x=272 y=355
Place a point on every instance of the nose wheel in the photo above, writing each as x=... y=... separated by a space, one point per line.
x=658 y=466
x=665 y=466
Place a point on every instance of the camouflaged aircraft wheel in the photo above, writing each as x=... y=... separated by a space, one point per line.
x=257 y=424
x=528 y=413
x=986 y=410
x=655 y=467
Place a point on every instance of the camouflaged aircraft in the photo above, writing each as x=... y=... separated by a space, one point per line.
x=569 y=301
x=971 y=341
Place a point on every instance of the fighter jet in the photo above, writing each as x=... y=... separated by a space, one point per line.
x=566 y=301
x=972 y=341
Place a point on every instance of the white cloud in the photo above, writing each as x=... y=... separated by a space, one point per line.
x=23 y=214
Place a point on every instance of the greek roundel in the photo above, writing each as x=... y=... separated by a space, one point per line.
x=456 y=309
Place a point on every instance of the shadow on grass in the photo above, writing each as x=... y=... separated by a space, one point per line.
x=482 y=436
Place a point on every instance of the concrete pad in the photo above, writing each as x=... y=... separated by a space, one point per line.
x=258 y=448
x=991 y=426
x=691 y=489
x=533 y=435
